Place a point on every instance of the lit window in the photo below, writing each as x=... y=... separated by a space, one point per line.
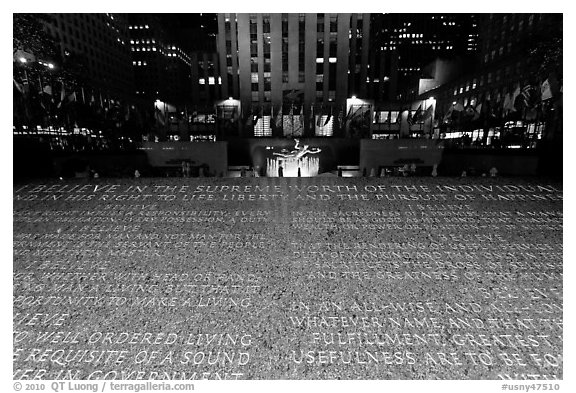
x=319 y=60
x=332 y=60
x=211 y=80
x=202 y=81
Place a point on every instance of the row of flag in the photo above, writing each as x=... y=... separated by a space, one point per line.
x=318 y=118
x=66 y=105
x=526 y=102
x=294 y=119
x=61 y=95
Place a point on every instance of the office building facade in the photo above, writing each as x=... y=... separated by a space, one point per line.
x=162 y=69
x=308 y=58
x=506 y=68
x=404 y=44
x=101 y=42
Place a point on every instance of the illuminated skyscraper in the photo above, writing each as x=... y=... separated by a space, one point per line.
x=162 y=69
x=404 y=44
x=304 y=58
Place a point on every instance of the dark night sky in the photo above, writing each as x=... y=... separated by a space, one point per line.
x=190 y=21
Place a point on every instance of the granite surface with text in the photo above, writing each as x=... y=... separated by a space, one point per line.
x=288 y=278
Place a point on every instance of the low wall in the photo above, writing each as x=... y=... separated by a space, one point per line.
x=152 y=159
x=214 y=155
x=106 y=164
x=508 y=162
x=375 y=153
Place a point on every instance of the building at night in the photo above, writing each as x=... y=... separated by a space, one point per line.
x=403 y=45
x=344 y=83
x=507 y=67
x=303 y=64
x=162 y=69
x=101 y=42
x=198 y=36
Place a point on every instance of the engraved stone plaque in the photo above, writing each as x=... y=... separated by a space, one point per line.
x=288 y=278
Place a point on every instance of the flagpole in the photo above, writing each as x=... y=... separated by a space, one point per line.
x=422 y=125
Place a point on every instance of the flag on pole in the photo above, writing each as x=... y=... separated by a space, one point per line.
x=388 y=118
x=279 y=117
x=319 y=117
x=448 y=115
x=287 y=123
x=416 y=116
x=428 y=114
x=516 y=93
x=311 y=121
x=478 y=111
x=328 y=118
x=517 y=99
x=508 y=105
x=545 y=90
x=158 y=115
x=298 y=123
x=62 y=95
x=355 y=113
x=410 y=119
x=72 y=97
x=348 y=115
x=18 y=86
